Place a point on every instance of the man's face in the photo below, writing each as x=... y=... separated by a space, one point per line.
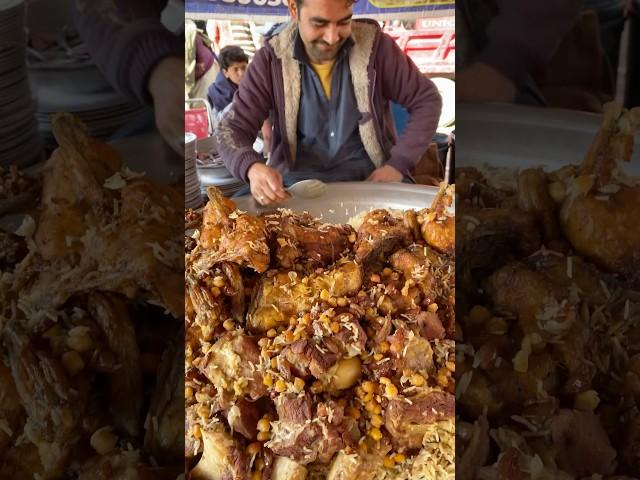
x=235 y=72
x=324 y=26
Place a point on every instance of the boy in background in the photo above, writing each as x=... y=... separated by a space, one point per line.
x=233 y=64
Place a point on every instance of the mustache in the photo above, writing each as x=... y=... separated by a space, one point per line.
x=322 y=42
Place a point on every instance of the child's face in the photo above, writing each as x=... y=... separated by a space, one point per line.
x=235 y=72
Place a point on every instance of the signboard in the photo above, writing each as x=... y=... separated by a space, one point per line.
x=277 y=10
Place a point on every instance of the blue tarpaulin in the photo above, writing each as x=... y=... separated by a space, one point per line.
x=268 y=10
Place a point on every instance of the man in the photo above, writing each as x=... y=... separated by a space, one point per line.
x=329 y=81
x=200 y=66
x=138 y=56
x=502 y=43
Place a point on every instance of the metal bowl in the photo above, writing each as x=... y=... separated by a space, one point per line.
x=344 y=200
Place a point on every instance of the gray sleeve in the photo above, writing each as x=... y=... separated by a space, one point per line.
x=126 y=40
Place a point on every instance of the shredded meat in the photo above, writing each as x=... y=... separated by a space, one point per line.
x=379 y=234
x=307 y=438
x=406 y=418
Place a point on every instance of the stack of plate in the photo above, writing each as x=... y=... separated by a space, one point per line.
x=212 y=171
x=18 y=127
x=83 y=91
x=192 y=193
x=221 y=178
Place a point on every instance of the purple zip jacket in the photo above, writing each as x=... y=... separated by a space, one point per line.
x=126 y=40
x=381 y=73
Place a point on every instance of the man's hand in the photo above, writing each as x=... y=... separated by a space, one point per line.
x=266 y=184
x=480 y=83
x=385 y=174
x=166 y=86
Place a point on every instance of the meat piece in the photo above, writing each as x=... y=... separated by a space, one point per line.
x=12 y=250
x=243 y=417
x=235 y=290
x=279 y=296
x=245 y=244
x=432 y=273
x=606 y=232
x=510 y=465
x=215 y=218
x=204 y=312
x=231 y=364
x=439 y=232
x=534 y=198
x=351 y=337
x=223 y=457
x=192 y=219
x=342 y=280
x=408 y=422
x=382 y=327
x=416 y=354
x=112 y=316
x=490 y=238
x=275 y=299
x=410 y=218
x=98 y=218
x=596 y=213
x=387 y=368
x=302 y=238
x=164 y=438
x=582 y=444
x=309 y=357
x=380 y=234
x=538 y=291
x=527 y=292
x=293 y=408
x=286 y=469
x=472 y=447
x=228 y=235
x=436 y=459
x=306 y=436
x=192 y=445
x=53 y=407
x=438 y=225
x=355 y=466
x=472 y=188
x=21 y=462
x=430 y=326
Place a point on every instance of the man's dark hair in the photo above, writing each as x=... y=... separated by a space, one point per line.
x=300 y=2
x=232 y=54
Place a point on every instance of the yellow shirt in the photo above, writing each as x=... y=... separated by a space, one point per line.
x=324 y=71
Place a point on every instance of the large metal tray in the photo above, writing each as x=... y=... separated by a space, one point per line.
x=345 y=200
x=520 y=136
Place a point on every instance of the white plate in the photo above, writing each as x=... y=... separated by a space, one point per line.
x=7 y=5
x=519 y=136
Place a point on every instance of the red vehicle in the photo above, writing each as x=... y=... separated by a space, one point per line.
x=431 y=44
